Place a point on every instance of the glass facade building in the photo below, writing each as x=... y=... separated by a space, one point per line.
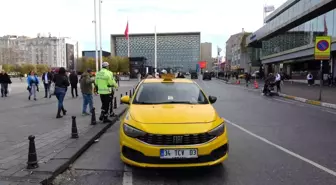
x=302 y=35
x=296 y=9
x=174 y=50
x=286 y=42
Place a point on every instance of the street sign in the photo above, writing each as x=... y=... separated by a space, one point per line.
x=322 y=48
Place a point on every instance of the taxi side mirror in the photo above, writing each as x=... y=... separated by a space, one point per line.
x=212 y=99
x=125 y=99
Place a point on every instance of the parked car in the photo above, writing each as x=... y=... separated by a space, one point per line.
x=206 y=76
x=193 y=75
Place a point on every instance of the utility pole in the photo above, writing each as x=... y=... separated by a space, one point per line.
x=95 y=31
x=100 y=35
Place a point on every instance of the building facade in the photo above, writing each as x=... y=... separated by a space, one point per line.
x=287 y=39
x=51 y=51
x=92 y=53
x=237 y=56
x=174 y=50
x=206 y=54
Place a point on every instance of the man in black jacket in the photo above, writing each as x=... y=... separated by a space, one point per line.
x=47 y=79
x=73 y=81
x=4 y=81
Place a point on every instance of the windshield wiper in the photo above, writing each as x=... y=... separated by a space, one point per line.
x=177 y=102
x=166 y=102
x=147 y=103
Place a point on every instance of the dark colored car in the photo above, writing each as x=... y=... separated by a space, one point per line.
x=193 y=75
x=206 y=76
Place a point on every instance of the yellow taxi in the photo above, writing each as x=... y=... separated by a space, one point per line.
x=171 y=123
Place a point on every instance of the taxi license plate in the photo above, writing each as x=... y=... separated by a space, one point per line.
x=178 y=153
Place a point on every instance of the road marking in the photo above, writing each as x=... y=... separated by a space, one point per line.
x=331 y=112
x=204 y=83
x=331 y=172
x=284 y=101
x=303 y=105
x=127 y=176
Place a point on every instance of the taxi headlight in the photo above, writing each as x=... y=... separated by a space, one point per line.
x=219 y=130
x=132 y=132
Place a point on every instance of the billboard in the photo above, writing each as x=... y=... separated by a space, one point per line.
x=70 y=56
x=202 y=64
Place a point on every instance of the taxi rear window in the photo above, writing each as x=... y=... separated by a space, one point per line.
x=169 y=93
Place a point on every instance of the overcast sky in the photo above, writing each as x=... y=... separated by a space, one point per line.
x=215 y=19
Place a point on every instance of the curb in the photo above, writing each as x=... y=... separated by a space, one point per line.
x=303 y=100
x=312 y=102
x=59 y=163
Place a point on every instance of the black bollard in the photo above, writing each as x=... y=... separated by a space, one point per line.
x=74 y=132
x=93 y=116
x=32 y=156
x=130 y=93
x=115 y=103
x=126 y=93
x=120 y=99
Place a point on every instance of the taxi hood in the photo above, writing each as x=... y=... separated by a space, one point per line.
x=173 y=113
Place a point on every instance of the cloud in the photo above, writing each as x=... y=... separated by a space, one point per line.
x=215 y=19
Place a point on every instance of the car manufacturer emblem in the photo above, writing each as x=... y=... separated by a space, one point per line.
x=177 y=139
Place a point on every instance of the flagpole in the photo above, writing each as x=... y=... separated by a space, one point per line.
x=264 y=14
x=128 y=40
x=100 y=36
x=95 y=30
x=155 y=49
x=218 y=52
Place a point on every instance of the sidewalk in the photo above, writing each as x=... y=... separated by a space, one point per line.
x=22 y=118
x=300 y=92
x=310 y=92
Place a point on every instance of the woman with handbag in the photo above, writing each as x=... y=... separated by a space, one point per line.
x=33 y=82
x=61 y=81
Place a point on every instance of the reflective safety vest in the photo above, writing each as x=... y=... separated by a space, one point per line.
x=105 y=81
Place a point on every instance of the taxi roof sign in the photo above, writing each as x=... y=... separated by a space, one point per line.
x=167 y=77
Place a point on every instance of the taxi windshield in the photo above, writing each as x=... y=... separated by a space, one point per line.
x=170 y=93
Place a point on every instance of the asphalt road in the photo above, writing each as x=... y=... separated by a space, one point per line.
x=272 y=141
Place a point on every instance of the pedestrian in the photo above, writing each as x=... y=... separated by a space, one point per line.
x=117 y=79
x=86 y=87
x=33 y=84
x=47 y=79
x=61 y=86
x=139 y=76
x=310 y=79
x=247 y=78
x=4 y=81
x=278 y=82
x=73 y=81
x=104 y=83
x=330 y=79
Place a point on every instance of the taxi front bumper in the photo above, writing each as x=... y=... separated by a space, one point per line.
x=138 y=153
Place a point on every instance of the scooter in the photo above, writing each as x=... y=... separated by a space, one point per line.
x=269 y=91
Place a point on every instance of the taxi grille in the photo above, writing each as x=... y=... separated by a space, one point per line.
x=190 y=139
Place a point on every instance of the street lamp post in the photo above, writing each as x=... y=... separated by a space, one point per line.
x=95 y=31
x=100 y=35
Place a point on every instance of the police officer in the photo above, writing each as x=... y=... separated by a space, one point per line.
x=105 y=82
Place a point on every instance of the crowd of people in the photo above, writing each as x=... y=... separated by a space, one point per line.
x=57 y=83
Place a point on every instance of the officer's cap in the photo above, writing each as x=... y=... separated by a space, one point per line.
x=105 y=64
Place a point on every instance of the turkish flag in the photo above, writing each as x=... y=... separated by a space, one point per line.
x=126 y=31
x=202 y=64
